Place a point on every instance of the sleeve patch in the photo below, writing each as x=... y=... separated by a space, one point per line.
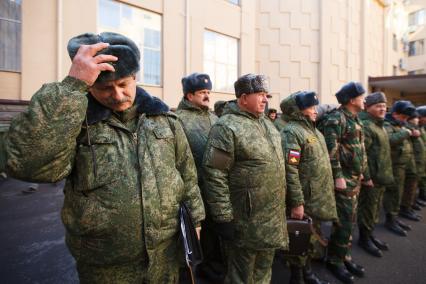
x=293 y=157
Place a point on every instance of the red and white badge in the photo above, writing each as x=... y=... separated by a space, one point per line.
x=293 y=157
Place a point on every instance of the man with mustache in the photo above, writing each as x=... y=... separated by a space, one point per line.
x=244 y=176
x=125 y=157
x=193 y=112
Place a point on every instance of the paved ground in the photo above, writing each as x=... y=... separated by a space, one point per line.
x=33 y=250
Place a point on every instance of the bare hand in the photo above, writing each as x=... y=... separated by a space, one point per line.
x=86 y=65
x=368 y=183
x=340 y=184
x=415 y=133
x=198 y=231
x=297 y=212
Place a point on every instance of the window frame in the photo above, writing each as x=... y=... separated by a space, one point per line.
x=230 y=88
x=18 y=44
x=142 y=46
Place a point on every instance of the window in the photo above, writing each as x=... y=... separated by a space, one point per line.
x=416 y=18
x=143 y=27
x=394 y=42
x=10 y=35
x=236 y=2
x=415 y=48
x=221 y=60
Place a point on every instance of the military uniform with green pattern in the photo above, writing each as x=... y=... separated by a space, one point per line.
x=244 y=173
x=308 y=171
x=127 y=172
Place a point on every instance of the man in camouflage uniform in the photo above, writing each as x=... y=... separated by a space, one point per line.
x=126 y=161
x=343 y=134
x=309 y=177
x=379 y=170
x=402 y=157
x=272 y=114
x=280 y=121
x=245 y=183
x=412 y=178
x=422 y=182
x=193 y=112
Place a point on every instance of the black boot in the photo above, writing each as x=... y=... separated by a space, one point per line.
x=354 y=268
x=422 y=196
x=403 y=225
x=341 y=273
x=380 y=244
x=416 y=207
x=296 y=275
x=367 y=244
x=393 y=226
x=420 y=202
x=310 y=277
x=407 y=213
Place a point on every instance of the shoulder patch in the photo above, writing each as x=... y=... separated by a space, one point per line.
x=293 y=157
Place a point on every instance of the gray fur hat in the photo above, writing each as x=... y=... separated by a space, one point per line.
x=250 y=84
x=120 y=46
x=349 y=91
x=375 y=98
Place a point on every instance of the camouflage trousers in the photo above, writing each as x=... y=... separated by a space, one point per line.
x=422 y=186
x=301 y=261
x=125 y=273
x=410 y=184
x=248 y=266
x=370 y=199
x=393 y=193
x=340 y=239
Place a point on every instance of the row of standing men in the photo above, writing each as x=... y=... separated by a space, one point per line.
x=128 y=166
x=327 y=173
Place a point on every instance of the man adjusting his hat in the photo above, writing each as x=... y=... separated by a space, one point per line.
x=125 y=158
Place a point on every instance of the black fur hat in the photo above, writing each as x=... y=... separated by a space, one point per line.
x=196 y=82
x=349 y=91
x=306 y=99
x=404 y=107
x=421 y=110
x=250 y=84
x=120 y=46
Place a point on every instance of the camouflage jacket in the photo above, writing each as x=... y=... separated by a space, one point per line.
x=345 y=142
x=399 y=139
x=378 y=151
x=308 y=170
x=196 y=124
x=419 y=151
x=280 y=123
x=245 y=178
x=123 y=188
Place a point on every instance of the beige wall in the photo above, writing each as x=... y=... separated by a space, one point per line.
x=320 y=45
x=299 y=44
x=49 y=24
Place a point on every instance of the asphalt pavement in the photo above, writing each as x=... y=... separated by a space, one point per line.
x=33 y=250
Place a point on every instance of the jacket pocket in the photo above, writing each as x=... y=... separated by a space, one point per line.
x=95 y=165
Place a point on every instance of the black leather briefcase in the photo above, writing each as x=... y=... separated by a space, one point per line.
x=299 y=232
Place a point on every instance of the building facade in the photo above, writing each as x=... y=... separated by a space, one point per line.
x=300 y=44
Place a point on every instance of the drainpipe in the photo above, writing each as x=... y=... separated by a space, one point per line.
x=59 y=21
x=187 y=42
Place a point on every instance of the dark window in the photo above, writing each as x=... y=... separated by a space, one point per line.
x=10 y=35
